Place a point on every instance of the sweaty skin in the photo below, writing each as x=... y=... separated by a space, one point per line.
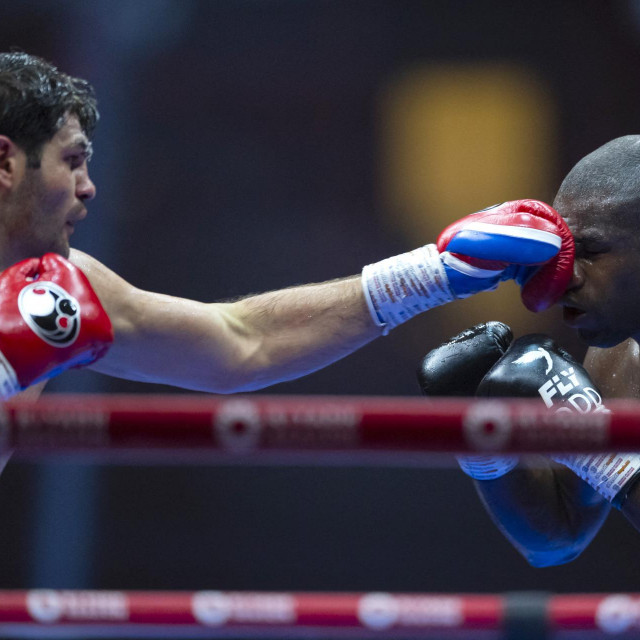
x=617 y=372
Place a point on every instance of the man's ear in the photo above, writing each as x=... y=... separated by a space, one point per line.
x=9 y=165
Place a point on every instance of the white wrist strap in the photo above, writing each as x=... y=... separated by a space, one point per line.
x=398 y=288
x=607 y=473
x=487 y=467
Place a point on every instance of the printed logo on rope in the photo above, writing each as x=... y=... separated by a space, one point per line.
x=618 y=613
x=49 y=606
x=381 y=611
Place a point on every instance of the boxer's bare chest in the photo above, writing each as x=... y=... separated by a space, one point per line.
x=616 y=371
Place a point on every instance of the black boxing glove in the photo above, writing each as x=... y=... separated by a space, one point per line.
x=456 y=368
x=535 y=366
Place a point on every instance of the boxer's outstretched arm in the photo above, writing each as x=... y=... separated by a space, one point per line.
x=282 y=335
x=547 y=512
x=269 y=338
x=228 y=347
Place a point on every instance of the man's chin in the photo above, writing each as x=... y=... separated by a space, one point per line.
x=61 y=248
x=602 y=339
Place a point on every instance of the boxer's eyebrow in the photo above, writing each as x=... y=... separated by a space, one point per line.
x=592 y=243
x=85 y=145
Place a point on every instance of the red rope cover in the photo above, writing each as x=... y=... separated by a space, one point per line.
x=378 y=612
x=249 y=424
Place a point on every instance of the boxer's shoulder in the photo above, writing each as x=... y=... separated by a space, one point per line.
x=616 y=370
x=92 y=268
x=112 y=290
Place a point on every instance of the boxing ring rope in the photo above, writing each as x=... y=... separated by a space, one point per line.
x=253 y=427
x=355 y=425
x=281 y=614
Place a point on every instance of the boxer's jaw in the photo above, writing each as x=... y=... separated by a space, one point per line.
x=603 y=339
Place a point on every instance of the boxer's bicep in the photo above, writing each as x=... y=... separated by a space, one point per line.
x=228 y=347
x=163 y=339
x=114 y=292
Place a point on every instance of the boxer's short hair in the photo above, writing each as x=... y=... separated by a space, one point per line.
x=35 y=98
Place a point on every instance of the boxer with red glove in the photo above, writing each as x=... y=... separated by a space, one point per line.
x=524 y=240
x=50 y=320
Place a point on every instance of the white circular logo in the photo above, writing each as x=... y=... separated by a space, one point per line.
x=212 y=608
x=617 y=614
x=44 y=605
x=50 y=312
x=237 y=425
x=487 y=425
x=378 y=610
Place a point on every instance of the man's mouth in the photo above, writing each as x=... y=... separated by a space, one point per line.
x=573 y=317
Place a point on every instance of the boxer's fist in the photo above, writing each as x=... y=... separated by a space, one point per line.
x=457 y=367
x=524 y=240
x=535 y=366
x=50 y=320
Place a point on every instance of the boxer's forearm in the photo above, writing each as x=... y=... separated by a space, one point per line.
x=299 y=330
x=231 y=347
x=547 y=512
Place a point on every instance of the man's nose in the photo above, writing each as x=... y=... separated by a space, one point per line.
x=577 y=277
x=85 y=189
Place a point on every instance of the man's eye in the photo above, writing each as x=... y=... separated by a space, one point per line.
x=590 y=252
x=75 y=161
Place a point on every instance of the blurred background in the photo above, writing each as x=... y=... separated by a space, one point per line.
x=249 y=145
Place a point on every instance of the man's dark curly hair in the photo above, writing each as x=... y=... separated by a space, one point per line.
x=34 y=99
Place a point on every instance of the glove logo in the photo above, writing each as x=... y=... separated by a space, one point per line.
x=532 y=356
x=50 y=312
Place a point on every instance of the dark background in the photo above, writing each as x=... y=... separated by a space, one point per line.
x=244 y=146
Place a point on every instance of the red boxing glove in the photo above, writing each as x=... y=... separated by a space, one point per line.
x=548 y=283
x=510 y=241
x=50 y=320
